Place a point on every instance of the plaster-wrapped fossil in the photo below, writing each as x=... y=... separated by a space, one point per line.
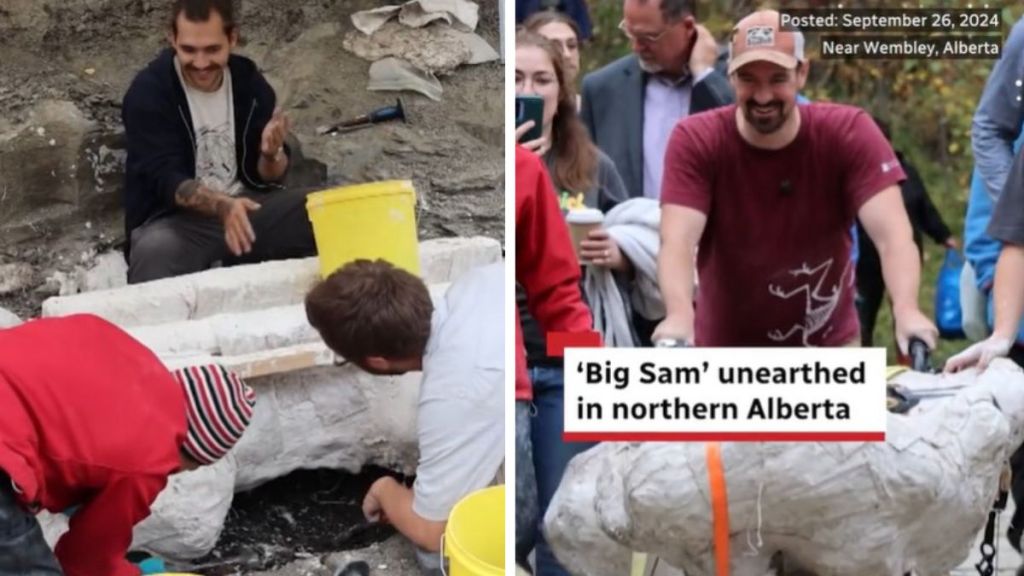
x=915 y=502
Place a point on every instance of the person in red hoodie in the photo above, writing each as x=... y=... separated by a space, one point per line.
x=90 y=418
x=547 y=269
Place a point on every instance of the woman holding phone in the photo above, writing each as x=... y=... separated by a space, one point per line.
x=582 y=176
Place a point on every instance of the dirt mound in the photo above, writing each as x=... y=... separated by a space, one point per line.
x=65 y=65
x=308 y=513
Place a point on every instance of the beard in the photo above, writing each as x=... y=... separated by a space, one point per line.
x=649 y=67
x=765 y=123
x=213 y=71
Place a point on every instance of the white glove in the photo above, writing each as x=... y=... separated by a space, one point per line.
x=980 y=354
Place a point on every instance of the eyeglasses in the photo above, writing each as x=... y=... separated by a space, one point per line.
x=645 y=39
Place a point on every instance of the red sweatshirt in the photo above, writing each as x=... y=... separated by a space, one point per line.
x=89 y=417
x=546 y=264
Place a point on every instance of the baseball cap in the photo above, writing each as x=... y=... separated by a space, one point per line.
x=759 y=37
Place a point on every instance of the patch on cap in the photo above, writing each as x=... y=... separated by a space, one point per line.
x=760 y=36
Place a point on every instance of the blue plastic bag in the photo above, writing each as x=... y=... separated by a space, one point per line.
x=948 y=316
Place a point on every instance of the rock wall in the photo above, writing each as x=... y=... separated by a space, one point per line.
x=65 y=66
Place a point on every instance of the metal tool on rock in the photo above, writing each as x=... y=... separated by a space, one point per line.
x=384 y=114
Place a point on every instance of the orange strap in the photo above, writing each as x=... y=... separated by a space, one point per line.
x=719 y=507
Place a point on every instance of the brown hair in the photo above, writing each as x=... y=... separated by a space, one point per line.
x=200 y=11
x=538 y=20
x=371 y=309
x=575 y=154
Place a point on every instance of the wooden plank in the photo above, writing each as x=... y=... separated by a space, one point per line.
x=280 y=360
x=265 y=362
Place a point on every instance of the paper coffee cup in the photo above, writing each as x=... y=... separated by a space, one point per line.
x=581 y=221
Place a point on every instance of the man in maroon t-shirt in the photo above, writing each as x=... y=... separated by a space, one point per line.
x=769 y=190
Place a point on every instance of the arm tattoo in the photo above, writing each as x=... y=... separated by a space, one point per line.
x=193 y=196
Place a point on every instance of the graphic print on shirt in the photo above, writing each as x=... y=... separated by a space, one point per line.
x=820 y=300
x=215 y=157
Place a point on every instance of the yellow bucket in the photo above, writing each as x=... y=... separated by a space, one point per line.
x=474 y=539
x=371 y=221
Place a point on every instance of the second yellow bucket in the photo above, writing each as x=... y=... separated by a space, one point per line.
x=474 y=539
x=371 y=221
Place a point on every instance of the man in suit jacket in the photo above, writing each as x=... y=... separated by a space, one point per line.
x=631 y=105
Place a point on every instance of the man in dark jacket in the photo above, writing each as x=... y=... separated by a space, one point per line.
x=631 y=105
x=206 y=154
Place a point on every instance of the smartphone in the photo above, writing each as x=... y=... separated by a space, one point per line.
x=530 y=108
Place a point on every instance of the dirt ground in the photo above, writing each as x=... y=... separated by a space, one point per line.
x=61 y=171
x=392 y=557
x=309 y=522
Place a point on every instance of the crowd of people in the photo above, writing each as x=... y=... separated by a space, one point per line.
x=756 y=217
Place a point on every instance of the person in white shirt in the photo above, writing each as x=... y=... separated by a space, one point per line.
x=382 y=319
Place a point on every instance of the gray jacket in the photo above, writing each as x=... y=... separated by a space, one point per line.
x=1000 y=114
x=613 y=111
x=996 y=128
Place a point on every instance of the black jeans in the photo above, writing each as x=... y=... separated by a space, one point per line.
x=183 y=242
x=23 y=551
x=870 y=292
x=1013 y=533
x=526 y=485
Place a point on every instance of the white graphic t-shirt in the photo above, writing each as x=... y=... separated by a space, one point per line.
x=213 y=117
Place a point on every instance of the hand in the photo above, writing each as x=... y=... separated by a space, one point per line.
x=373 y=510
x=274 y=134
x=238 y=232
x=704 y=53
x=980 y=354
x=911 y=322
x=600 y=249
x=952 y=243
x=676 y=327
x=540 y=146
